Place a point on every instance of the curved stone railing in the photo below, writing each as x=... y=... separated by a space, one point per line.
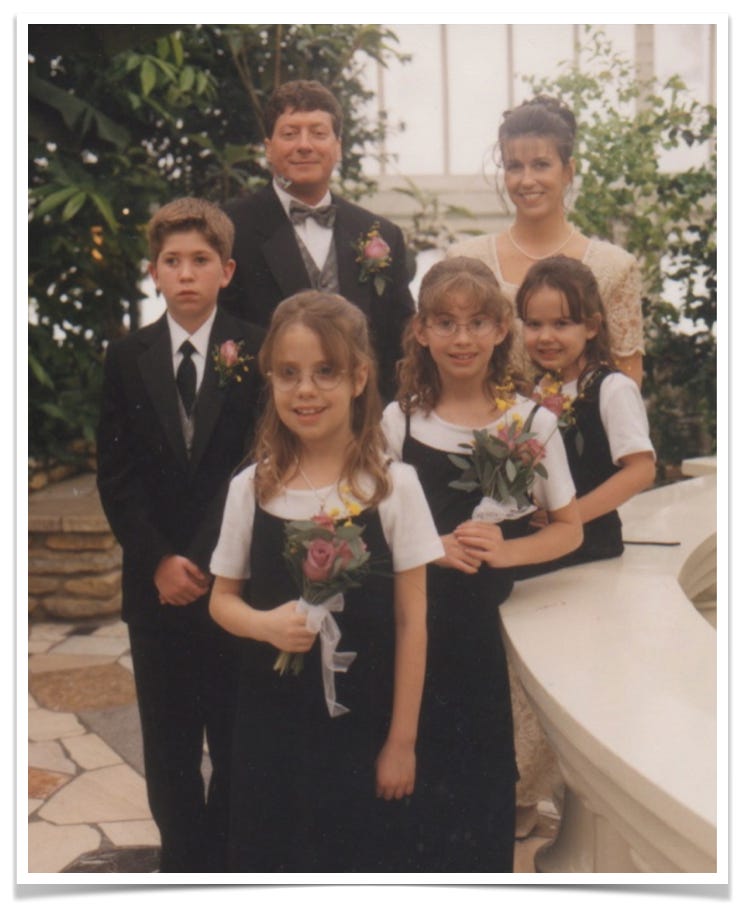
x=621 y=668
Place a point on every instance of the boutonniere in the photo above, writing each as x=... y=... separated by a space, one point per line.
x=373 y=256
x=230 y=361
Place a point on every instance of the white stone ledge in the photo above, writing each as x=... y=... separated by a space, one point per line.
x=621 y=668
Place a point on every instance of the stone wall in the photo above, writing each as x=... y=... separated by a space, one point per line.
x=74 y=561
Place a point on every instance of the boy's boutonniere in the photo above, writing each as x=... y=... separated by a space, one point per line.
x=230 y=361
x=373 y=256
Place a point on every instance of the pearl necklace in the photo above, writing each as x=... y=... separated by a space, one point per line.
x=540 y=257
x=322 y=500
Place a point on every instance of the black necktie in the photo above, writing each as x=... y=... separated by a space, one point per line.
x=186 y=377
x=324 y=216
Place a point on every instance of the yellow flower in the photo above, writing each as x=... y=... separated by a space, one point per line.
x=504 y=396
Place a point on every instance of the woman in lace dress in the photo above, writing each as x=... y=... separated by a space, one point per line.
x=535 y=146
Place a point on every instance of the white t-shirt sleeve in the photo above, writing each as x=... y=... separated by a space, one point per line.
x=624 y=417
x=557 y=489
x=407 y=523
x=231 y=556
x=393 y=425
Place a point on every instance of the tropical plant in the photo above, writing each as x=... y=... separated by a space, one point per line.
x=122 y=119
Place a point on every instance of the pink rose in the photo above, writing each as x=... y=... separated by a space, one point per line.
x=344 y=554
x=319 y=560
x=531 y=452
x=229 y=353
x=376 y=249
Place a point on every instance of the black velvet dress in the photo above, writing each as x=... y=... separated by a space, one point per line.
x=303 y=783
x=589 y=458
x=465 y=795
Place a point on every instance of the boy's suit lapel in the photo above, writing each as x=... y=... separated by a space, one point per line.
x=211 y=396
x=156 y=366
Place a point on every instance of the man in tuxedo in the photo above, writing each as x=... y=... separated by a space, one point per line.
x=177 y=416
x=294 y=234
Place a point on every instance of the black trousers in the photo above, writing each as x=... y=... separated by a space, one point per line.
x=186 y=689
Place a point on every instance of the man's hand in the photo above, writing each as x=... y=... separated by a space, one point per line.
x=179 y=581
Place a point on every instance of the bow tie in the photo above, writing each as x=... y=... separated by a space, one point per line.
x=324 y=216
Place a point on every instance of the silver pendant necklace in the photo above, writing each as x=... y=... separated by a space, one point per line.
x=329 y=488
x=540 y=257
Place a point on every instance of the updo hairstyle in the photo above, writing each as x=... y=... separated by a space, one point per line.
x=542 y=116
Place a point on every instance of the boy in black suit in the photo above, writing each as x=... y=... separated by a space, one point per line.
x=295 y=235
x=178 y=410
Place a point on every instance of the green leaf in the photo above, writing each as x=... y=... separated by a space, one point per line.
x=74 y=205
x=463 y=485
x=54 y=200
x=461 y=462
x=54 y=411
x=147 y=77
x=186 y=79
x=39 y=372
x=77 y=113
x=177 y=48
x=104 y=208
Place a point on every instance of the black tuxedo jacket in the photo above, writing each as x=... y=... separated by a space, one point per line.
x=269 y=268
x=158 y=500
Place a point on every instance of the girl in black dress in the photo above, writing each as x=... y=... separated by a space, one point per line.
x=607 y=439
x=454 y=378
x=320 y=784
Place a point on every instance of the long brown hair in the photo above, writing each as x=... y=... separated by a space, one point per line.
x=343 y=331
x=419 y=380
x=577 y=284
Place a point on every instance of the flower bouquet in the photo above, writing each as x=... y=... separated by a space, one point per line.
x=503 y=467
x=373 y=256
x=326 y=556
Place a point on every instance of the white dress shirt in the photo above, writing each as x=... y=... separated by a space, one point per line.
x=200 y=342
x=316 y=238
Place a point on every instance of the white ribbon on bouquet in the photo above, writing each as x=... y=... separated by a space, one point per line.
x=489 y=510
x=319 y=620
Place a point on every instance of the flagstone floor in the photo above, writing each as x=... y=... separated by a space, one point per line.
x=88 y=811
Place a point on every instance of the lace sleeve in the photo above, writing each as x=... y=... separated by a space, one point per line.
x=622 y=297
x=620 y=284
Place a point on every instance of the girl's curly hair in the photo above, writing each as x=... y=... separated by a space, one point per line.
x=418 y=377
